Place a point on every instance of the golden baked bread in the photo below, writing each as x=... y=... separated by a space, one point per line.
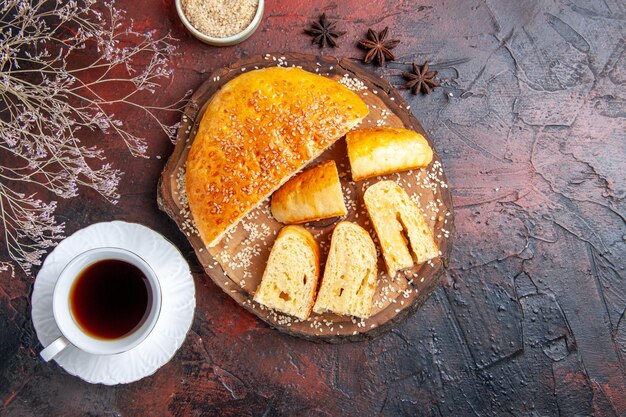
x=258 y=130
x=399 y=223
x=350 y=274
x=385 y=150
x=311 y=195
x=290 y=279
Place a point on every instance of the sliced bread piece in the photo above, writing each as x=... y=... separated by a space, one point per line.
x=314 y=194
x=349 y=281
x=384 y=150
x=404 y=235
x=290 y=279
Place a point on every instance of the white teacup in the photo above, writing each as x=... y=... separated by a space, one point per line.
x=73 y=333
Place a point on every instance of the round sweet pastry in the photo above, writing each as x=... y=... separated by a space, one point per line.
x=259 y=130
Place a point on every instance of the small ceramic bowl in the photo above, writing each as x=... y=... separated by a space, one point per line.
x=229 y=40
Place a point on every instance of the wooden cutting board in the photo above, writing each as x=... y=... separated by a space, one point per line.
x=236 y=264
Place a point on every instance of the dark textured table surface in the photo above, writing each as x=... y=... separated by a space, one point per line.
x=530 y=318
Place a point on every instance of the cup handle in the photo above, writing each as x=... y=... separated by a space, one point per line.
x=54 y=348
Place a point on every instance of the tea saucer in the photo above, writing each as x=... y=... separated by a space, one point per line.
x=177 y=308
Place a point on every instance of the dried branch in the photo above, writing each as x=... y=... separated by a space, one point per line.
x=58 y=63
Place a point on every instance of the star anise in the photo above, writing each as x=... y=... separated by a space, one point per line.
x=324 y=32
x=421 y=79
x=379 y=48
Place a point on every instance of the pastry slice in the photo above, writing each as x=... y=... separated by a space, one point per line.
x=290 y=279
x=385 y=150
x=349 y=281
x=311 y=195
x=258 y=130
x=404 y=235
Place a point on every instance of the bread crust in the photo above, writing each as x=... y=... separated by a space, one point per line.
x=403 y=233
x=257 y=131
x=356 y=273
x=385 y=150
x=265 y=293
x=314 y=194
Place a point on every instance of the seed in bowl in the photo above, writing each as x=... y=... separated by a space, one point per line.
x=220 y=18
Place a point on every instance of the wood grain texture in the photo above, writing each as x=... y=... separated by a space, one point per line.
x=531 y=321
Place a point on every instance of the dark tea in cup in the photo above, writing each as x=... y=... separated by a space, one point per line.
x=106 y=301
x=110 y=299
